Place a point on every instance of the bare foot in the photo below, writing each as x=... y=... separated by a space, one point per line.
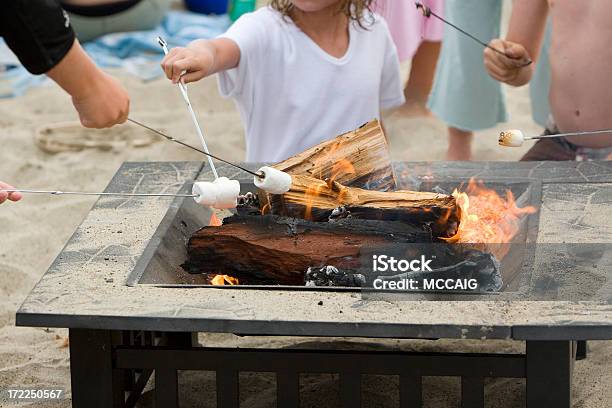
x=413 y=109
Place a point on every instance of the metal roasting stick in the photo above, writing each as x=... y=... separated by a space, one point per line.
x=428 y=13
x=594 y=132
x=58 y=192
x=183 y=89
x=210 y=155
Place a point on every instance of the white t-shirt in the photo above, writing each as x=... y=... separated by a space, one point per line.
x=293 y=95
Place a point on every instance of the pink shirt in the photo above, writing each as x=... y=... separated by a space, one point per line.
x=408 y=26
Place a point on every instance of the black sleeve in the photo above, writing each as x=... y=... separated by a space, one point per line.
x=38 y=32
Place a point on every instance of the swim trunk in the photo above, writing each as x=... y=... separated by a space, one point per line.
x=91 y=22
x=464 y=96
x=560 y=149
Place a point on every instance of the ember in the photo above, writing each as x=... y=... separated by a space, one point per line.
x=221 y=280
x=487 y=218
x=215 y=221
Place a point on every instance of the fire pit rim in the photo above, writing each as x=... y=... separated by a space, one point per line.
x=54 y=302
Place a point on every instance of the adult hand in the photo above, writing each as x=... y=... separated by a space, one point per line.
x=8 y=196
x=512 y=68
x=98 y=98
x=104 y=104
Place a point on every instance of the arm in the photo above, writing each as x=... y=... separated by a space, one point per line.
x=200 y=59
x=523 y=42
x=98 y=98
x=39 y=33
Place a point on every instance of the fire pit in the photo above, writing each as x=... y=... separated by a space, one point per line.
x=118 y=285
x=165 y=261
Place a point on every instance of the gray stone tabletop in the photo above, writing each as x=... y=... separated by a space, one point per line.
x=85 y=286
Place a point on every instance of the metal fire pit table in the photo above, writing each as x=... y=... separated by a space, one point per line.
x=120 y=335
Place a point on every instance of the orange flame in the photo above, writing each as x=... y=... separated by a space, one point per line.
x=311 y=193
x=221 y=280
x=341 y=167
x=214 y=221
x=488 y=218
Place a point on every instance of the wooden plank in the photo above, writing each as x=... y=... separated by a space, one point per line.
x=365 y=149
x=314 y=199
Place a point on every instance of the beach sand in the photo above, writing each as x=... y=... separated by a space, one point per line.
x=34 y=231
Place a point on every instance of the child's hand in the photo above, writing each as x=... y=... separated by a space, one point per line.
x=509 y=68
x=8 y=196
x=188 y=64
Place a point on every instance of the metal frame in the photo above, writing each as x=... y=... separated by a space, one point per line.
x=111 y=369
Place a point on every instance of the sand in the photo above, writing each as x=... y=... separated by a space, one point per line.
x=34 y=231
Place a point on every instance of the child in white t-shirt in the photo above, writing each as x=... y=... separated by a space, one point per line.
x=300 y=71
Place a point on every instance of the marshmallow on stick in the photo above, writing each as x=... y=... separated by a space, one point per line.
x=274 y=181
x=511 y=138
x=221 y=193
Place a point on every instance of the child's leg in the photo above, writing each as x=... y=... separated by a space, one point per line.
x=464 y=96
x=459 y=144
x=421 y=77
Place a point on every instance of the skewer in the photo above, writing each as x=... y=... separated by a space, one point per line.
x=210 y=155
x=183 y=89
x=86 y=193
x=515 y=138
x=427 y=12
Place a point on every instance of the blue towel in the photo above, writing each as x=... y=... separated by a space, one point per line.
x=137 y=52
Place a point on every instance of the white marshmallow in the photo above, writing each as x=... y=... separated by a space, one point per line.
x=222 y=193
x=274 y=182
x=511 y=138
x=206 y=193
x=227 y=193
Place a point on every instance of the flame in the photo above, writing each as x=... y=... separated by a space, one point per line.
x=340 y=168
x=311 y=193
x=221 y=280
x=214 y=221
x=487 y=217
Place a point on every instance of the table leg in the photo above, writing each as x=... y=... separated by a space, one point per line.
x=95 y=383
x=549 y=374
x=581 y=351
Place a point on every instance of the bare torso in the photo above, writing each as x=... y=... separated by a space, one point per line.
x=581 y=63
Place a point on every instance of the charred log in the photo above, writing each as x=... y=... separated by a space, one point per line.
x=279 y=250
x=318 y=200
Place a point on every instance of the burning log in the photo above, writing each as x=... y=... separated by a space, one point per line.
x=277 y=250
x=316 y=200
x=353 y=172
x=358 y=159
